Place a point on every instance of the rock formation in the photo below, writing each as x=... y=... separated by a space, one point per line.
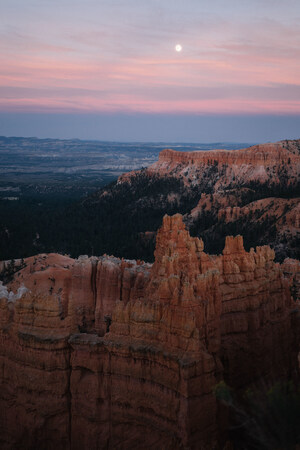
x=263 y=163
x=64 y=296
x=291 y=271
x=271 y=219
x=103 y=353
x=222 y=189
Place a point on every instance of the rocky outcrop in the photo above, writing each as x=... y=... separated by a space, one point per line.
x=256 y=307
x=261 y=162
x=273 y=220
x=104 y=353
x=85 y=289
x=286 y=212
x=264 y=163
x=62 y=297
x=291 y=270
x=220 y=190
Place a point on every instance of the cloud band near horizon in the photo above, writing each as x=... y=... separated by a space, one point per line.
x=101 y=57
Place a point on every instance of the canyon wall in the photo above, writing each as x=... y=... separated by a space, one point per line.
x=103 y=353
x=62 y=297
x=275 y=163
x=265 y=155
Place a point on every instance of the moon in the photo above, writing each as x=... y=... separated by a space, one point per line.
x=178 y=48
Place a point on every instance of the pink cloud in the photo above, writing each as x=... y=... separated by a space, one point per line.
x=60 y=76
x=132 y=103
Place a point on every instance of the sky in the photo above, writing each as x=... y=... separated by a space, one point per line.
x=109 y=70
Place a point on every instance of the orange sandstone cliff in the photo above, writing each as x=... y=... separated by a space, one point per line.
x=272 y=162
x=103 y=353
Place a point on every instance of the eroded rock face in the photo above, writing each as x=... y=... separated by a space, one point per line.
x=291 y=270
x=63 y=296
x=253 y=192
x=263 y=163
x=145 y=380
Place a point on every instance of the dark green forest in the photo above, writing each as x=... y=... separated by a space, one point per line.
x=114 y=219
x=110 y=222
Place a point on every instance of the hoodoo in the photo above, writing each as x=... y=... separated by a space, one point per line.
x=103 y=353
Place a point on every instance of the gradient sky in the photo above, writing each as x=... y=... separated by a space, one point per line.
x=113 y=64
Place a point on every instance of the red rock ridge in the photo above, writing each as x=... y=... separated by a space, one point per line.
x=211 y=314
x=261 y=163
x=194 y=320
x=258 y=154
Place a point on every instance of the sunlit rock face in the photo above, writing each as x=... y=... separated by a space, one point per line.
x=253 y=192
x=101 y=353
x=264 y=163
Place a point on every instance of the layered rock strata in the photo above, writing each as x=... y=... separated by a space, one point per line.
x=63 y=296
x=272 y=163
x=252 y=191
x=102 y=353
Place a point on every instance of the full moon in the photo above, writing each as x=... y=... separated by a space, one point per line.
x=178 y=48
